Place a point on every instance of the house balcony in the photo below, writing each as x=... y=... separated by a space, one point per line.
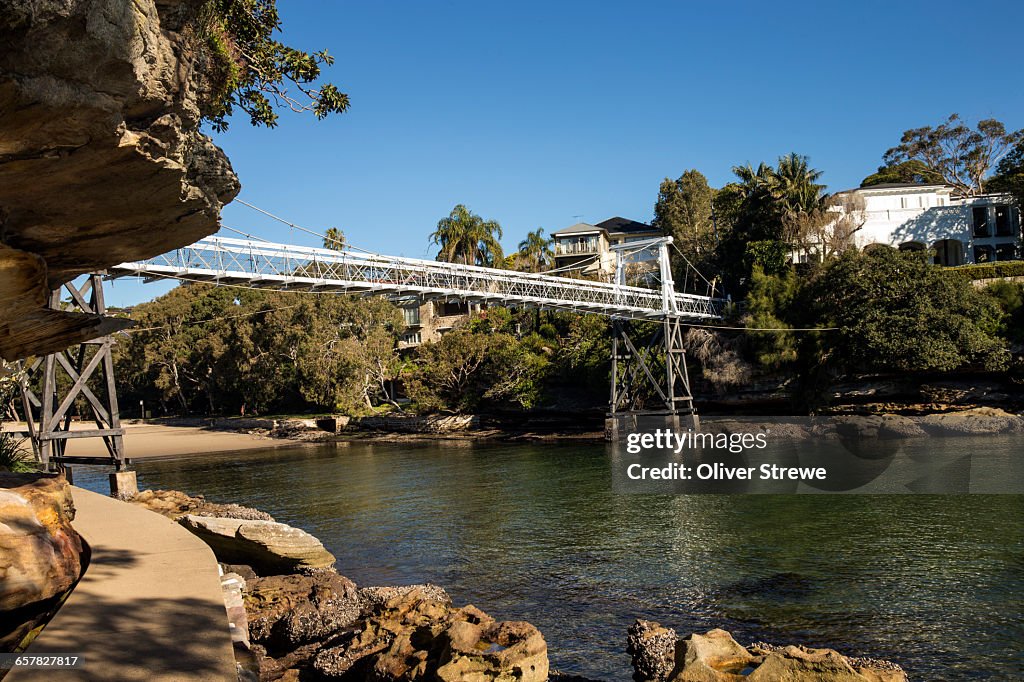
x=576 y=249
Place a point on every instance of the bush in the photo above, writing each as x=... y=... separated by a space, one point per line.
x=14 y=456
x=896 y=311
x=970 y=273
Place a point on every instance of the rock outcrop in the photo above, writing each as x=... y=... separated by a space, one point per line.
x=270 y=548
x=40 y=553
x=174 y=504
x=414 y=637
x=715 y=656
x=289 y=611
x=101 y=159
x=651 y=648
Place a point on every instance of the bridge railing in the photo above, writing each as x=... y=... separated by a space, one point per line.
x=268 y=264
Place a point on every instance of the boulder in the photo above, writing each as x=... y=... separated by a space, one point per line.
x=716 y=657
x=510 y=651
x=710 y=657
x=40 y=553
x=652 y=650
x=270 y=548
x=797 y=663
x=415 y=637
x=287 y=611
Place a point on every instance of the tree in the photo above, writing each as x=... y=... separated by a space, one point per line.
x=535 y=254
x=904 y=172
x=896 y=311
x=334 y=239
x=251 y=70
x=684 y=212
x=464 y=237
x=961 y=157
x=1009 y=175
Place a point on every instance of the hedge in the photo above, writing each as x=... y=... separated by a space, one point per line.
x=1014 y=268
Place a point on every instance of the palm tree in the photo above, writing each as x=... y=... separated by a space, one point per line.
x=334 y=239
x=535 y=251
x=796 y=185
x=465 y=237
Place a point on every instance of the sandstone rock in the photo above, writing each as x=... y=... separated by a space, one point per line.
x=510 y=651
x=970 y=424
x=652 y=649
x=795 y=664
x=373 y=598
x=174 y=504
x=895 y=426
x=40 y=553
x=415 y=637
x=267 y=546
x=710 y=657
x=716 y=657
x=101 y=158
x=287 y=611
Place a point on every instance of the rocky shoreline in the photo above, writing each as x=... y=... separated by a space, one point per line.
x=295 y=618
x=973 y=421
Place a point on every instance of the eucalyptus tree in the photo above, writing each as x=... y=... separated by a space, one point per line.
x=956 y=154
x=465 y=237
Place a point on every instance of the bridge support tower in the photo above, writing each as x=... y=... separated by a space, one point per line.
x=650 y=383
x=80 y=378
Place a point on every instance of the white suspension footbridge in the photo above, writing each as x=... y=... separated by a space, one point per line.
x=648 y=377
x=266 y=265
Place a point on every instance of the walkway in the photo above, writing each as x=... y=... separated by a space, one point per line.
x=148 y=608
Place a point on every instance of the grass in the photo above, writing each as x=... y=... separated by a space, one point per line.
x=14 y=457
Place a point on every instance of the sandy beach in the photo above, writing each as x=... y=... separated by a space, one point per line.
x=143 y=441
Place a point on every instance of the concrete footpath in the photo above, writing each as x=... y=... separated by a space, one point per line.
x=149 y=607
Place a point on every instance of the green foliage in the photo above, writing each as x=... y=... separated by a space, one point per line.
x=465 y=237
x=206 y=349
x=988 y=270
x=535 y=254
x=912 y=171
x=15 y=457
x=1009 y=296
x=253 y=71
x=469 y=369
x=684 y=212
x=769 y=295
x=334 y=239
x=954 y=153
x=768 y=255
x=1009 y=175
x=898 y=312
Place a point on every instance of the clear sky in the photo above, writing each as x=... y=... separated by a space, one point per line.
x=542 y=114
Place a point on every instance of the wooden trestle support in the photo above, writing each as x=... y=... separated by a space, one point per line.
x=649 y=378
x=81 y=375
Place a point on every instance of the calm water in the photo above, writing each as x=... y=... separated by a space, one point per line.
x=533 y=532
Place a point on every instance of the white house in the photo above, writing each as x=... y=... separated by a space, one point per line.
x=956 y=229
x=589 y=245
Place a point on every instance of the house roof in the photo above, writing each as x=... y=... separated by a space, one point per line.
x=624 y=225
x=578 y=228
x=616 y=225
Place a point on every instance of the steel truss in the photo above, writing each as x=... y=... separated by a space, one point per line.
x=258 y=264
x=89 y=368
x=650 y=378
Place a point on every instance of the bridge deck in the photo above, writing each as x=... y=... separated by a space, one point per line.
x=259 y=264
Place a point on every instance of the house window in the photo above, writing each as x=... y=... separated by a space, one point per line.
x=981 y=228
x=413 y=338
x=1006 y=251
x=903 y=202
x=984 y=254
x=450 y=308
x=411 y=316
x=1004 y=226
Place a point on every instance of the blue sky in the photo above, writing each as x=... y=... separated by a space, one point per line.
x=543 y=114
